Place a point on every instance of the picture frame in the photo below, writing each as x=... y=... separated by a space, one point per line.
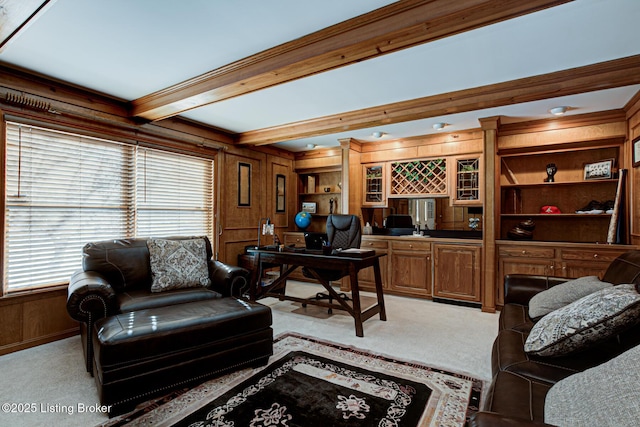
x=635 y=146
x=281 y=193
x=309 y=207
x=244 y=184
x=602 y=169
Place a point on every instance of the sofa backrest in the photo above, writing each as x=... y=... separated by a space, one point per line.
x=125 y=262
x=624 y=269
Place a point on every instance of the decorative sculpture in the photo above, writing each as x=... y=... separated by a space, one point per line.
x=551 y=171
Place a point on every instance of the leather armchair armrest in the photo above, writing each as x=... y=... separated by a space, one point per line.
x=90 y=297
x=228 y=279
x=520 y=288
x=492 y=419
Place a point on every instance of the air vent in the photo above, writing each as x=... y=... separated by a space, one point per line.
x=28 y=102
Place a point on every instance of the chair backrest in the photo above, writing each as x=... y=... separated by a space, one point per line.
x=344 y=231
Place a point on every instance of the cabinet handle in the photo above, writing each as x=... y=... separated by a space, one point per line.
x=370 y=243
x=595 y=255
x=551 y=267
x=564 y=268
x=411 y=246
x=524 y=252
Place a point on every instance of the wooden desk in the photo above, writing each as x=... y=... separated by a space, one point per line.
x=292 y=260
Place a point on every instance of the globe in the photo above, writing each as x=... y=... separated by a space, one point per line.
x=303 y=219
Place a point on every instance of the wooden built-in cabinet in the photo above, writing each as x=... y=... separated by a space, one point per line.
x=322 y=187
x=555 y=260
x=524 y=192
x=423 y=178
x=366 y=278
x=457 y=271
x=467 y=180
x=375 y=185
x=411 y=267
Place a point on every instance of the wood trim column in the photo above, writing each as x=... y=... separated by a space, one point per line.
x=491 y=215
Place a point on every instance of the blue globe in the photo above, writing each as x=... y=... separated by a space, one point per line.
x=303 y=219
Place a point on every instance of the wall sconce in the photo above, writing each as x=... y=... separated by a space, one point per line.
x=439 y=126
x=558 y=111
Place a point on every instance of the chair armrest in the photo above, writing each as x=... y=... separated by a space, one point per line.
x=520 y=288
x=493 y=419
x=228 y=279
x=90 y=297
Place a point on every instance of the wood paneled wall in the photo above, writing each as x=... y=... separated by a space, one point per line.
x=633 y=132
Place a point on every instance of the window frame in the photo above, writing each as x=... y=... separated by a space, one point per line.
x=169 y=146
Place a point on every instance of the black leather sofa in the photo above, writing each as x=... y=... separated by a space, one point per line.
x=138 y=343
x=521 y=381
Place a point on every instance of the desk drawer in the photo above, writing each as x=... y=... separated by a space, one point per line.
x=411 y=246
x=297 y=240
x=590 y=255
x=526 y=252
x=374 y=244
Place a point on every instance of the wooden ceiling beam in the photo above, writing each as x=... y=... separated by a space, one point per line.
x=604 y=75
x=391 y=28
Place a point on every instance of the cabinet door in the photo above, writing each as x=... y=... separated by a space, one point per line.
x=366 y=276
x=411 y=272
x=466 y=181
x=586 y=262
x=374 y=188
x=456 y=272
x=507 y=265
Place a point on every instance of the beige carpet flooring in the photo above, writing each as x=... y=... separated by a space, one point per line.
x=48 y=385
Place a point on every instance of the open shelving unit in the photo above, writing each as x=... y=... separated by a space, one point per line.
x=319 y=186
x=524 y=193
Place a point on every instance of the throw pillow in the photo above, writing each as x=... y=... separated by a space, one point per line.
x=565 y=293
x=589 y=320
x=607 y=395
x=178 y=264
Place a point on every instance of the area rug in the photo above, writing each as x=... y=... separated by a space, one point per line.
x=310 y=382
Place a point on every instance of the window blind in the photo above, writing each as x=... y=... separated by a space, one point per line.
x=174 y=194
x=64 y=190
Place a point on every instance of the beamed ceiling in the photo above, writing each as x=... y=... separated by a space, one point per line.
x=295 y=72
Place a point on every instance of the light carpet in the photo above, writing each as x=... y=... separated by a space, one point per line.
x=443 y=336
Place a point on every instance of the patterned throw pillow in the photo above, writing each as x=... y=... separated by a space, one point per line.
x=178 y=264
x=565 y=293
x=589 y=320
x=607 y=395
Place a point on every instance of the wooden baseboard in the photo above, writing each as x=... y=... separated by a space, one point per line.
x=22 y=345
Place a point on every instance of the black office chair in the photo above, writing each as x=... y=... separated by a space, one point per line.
x=343 y=232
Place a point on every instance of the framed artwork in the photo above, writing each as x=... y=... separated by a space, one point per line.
x=309 y=207
x=281 y=193
x=244 y=184
x=599 y=170
x=635 y=146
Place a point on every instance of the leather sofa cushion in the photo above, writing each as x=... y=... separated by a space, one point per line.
x=142 y=299
x=513 y=395
x=509 y=355
x=515 y=317
x=129 y=338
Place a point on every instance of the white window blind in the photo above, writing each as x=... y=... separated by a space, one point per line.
x=174 y=194
x=64 y=190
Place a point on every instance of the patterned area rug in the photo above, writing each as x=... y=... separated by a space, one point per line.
x=309 y=382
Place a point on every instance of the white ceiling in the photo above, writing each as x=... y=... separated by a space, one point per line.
x=129 y=49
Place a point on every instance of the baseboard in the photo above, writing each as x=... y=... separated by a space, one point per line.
x=22 y=345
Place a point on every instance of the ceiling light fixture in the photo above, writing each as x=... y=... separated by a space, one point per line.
x=558 y=111
x=439 y=126
x=377 y=134
x=311 y=146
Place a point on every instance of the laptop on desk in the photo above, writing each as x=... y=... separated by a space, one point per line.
x=313 y=241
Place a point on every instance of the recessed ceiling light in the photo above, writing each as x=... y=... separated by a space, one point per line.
x=439 y=126
x=558 y=111
x=377 y=134
x=311 y=146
